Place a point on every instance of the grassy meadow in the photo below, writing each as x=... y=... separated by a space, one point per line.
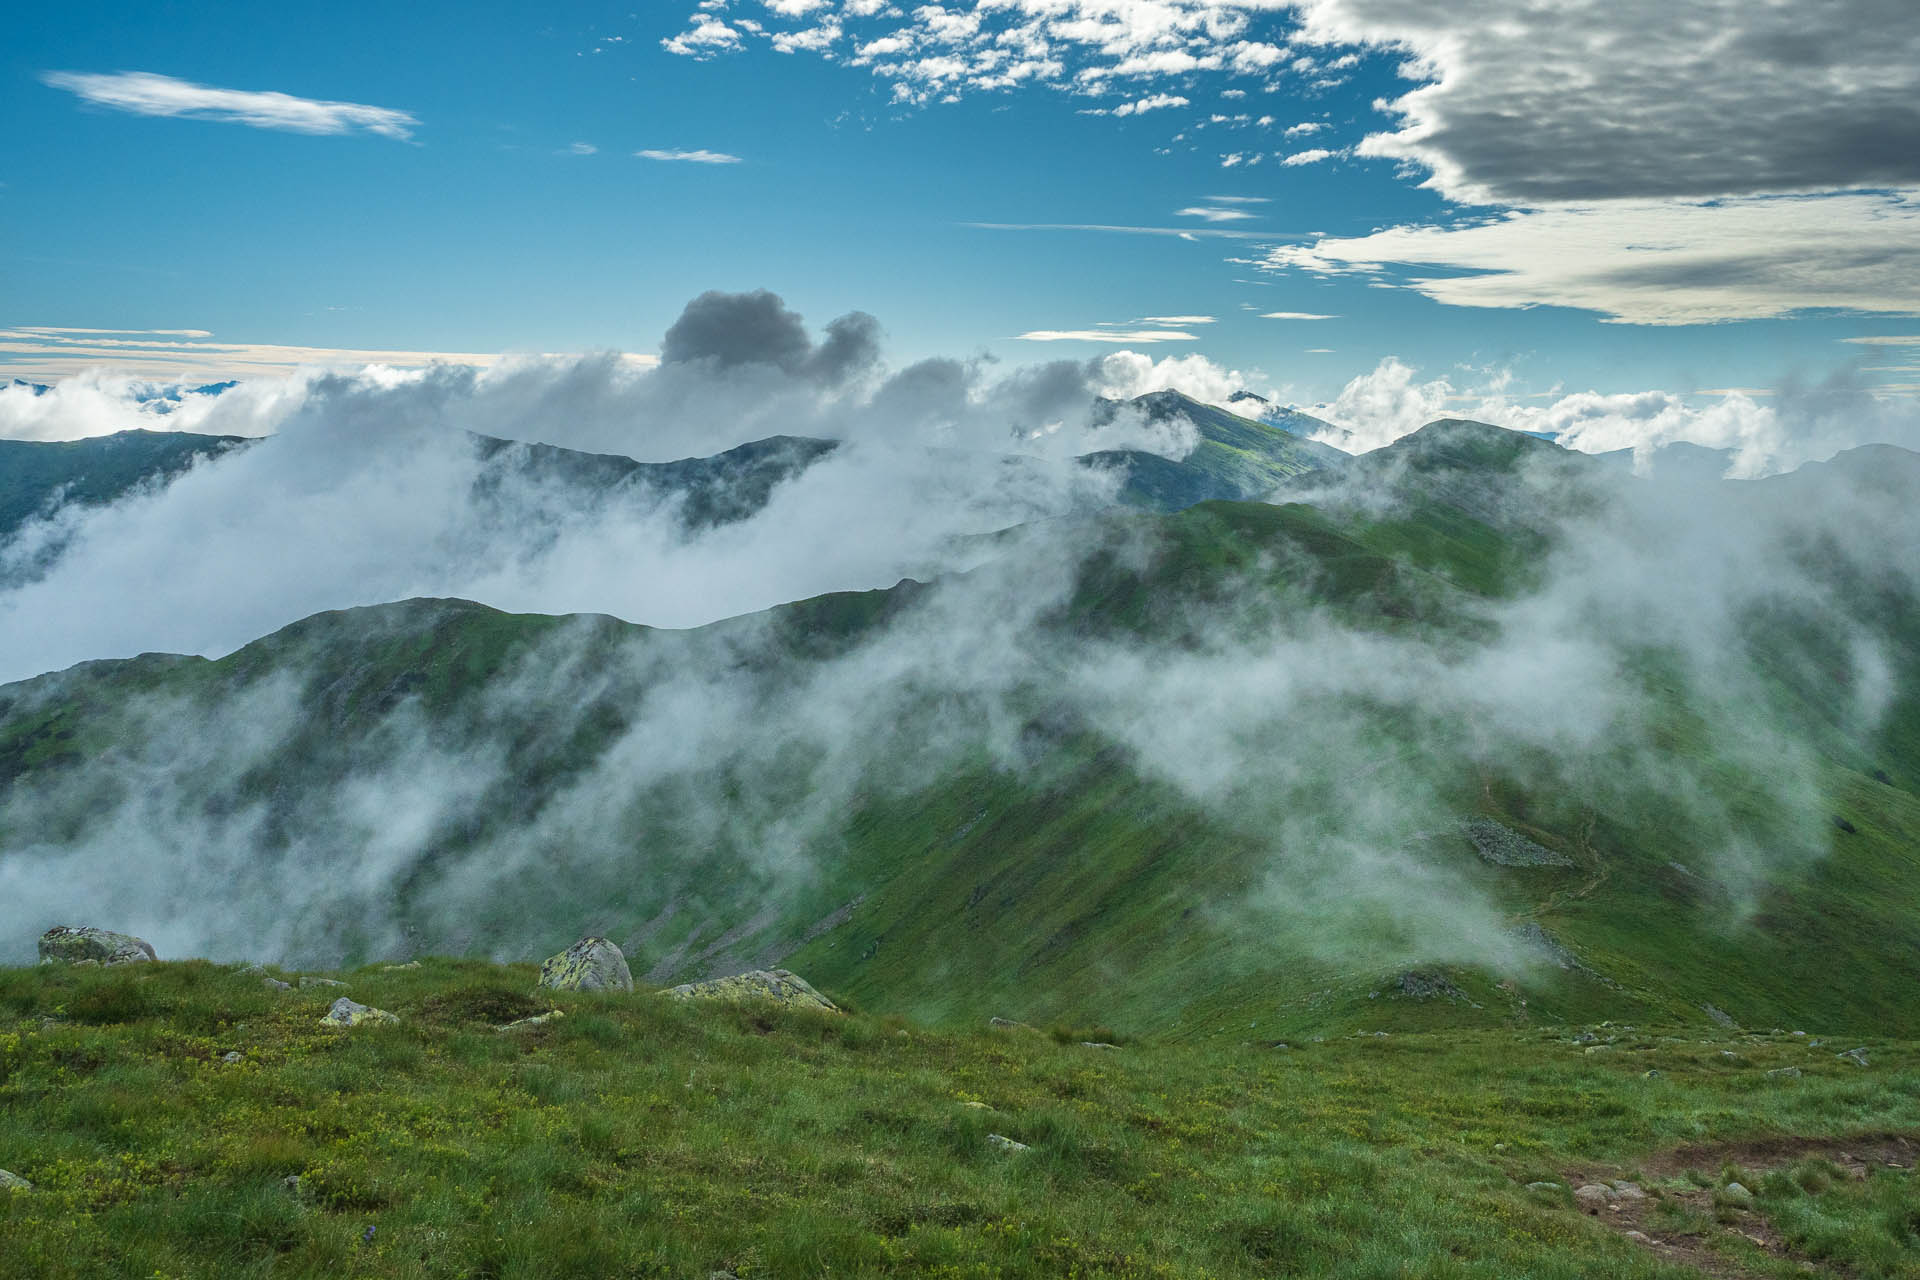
x=639 y=1136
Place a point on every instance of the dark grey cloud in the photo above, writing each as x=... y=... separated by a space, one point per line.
x=1582 y=100
x=734 y=330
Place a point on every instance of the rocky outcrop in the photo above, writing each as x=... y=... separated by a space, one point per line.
x=591 y=964
x=777 y=985
x=76 y=944
x=1505 y=847
x=346 y=1013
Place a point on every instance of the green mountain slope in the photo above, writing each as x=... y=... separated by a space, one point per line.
x=1051 y=788
x=1235 y=458
x=37 y=475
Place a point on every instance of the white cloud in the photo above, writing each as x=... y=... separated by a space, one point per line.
x=1312 y=156
x=1654 y=262
x=1105 y=335
x=1154 y=102
x=1175 y=320
x=147 y=94
x=1304 y=128
x=1295 y=315
x=186 y=355
x=1215 y=215
x=707 y=37
x=701 y=156
x=1803 y=423
x=581 y=149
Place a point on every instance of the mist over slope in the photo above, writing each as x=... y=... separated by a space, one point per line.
x=1140 y=766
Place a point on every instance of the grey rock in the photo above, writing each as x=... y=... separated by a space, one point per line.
x=1418 y=984
x=1505 y=847
x=13 y=1182
x=346 y=1013
x=399 y=968
x=1737 y=1193
x=777 y=985
x=1097 y=1044
x=1628 y=1190
x=1545 y=1186
x=1785 y=1073
x=313 y=980
x=1720 y=1016
x=1007 y=1024
x=1593 y=1194
x=274 y=984
x=1008 y=1145
x=232 y=1056
x=78 y=944
x=1640 y=1236
x=537 y=1020
x=591 y=964
x=1858 y=1057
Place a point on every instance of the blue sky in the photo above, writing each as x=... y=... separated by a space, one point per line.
x=1582 y=197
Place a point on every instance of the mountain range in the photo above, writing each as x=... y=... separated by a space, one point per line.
x=1470 y=730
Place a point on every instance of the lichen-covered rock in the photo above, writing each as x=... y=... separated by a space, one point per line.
x=346 y=1013
x=591 y=964
x=759 y=984
x=74 y=944
x=314 y=980
x=13 y=1182
x=274 y=984
x=1000 y=1142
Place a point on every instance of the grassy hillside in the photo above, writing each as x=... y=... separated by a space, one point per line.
x=989 y=798
x=37 y=475
x=182 y=1120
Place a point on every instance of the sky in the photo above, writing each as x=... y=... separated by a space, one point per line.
x=1327 y=200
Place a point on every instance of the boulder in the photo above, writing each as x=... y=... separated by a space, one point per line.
x=345 y=1013
x=74 y=944
x=1005 y=1144
x=591 y=964
x=274 y=984
x=13 y=1182
x=777 y=985
x=1858 y=1057
x=1593 y=1195
x=314 y=980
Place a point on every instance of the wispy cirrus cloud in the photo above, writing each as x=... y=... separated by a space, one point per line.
x=1119 y=337
x=1211 y=214
x=684 y=156
x=49 y=352
x=146 y=93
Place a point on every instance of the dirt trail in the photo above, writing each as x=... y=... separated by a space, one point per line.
x=1635 y=1212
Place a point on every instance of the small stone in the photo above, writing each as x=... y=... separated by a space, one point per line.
x=1785 y=1073
x=1007 y=1024
x=1858 y=1057
x=13 y=1182
x=1655 y=1074
x=1545 y=1186
x=537 y=1020
x=232 y=1056
x=312 y=980
x=1008 y=1145
x=291 y=1183
x=345 y=1013
x=274 y=984
x=251 y=970
x=1097 y=1044
x=591 y=964
x=976 y=1106
x=399 y=968
x=1499 y=1146
x=1737 y=1193
x=1628 y=1190
x=1640 y=1236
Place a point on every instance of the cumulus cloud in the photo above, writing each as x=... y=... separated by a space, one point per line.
x=368 y=488
x=1311 y=156
x=1601 y=100
x=148 y=94
x=1762 y=435
x=1653 y=262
